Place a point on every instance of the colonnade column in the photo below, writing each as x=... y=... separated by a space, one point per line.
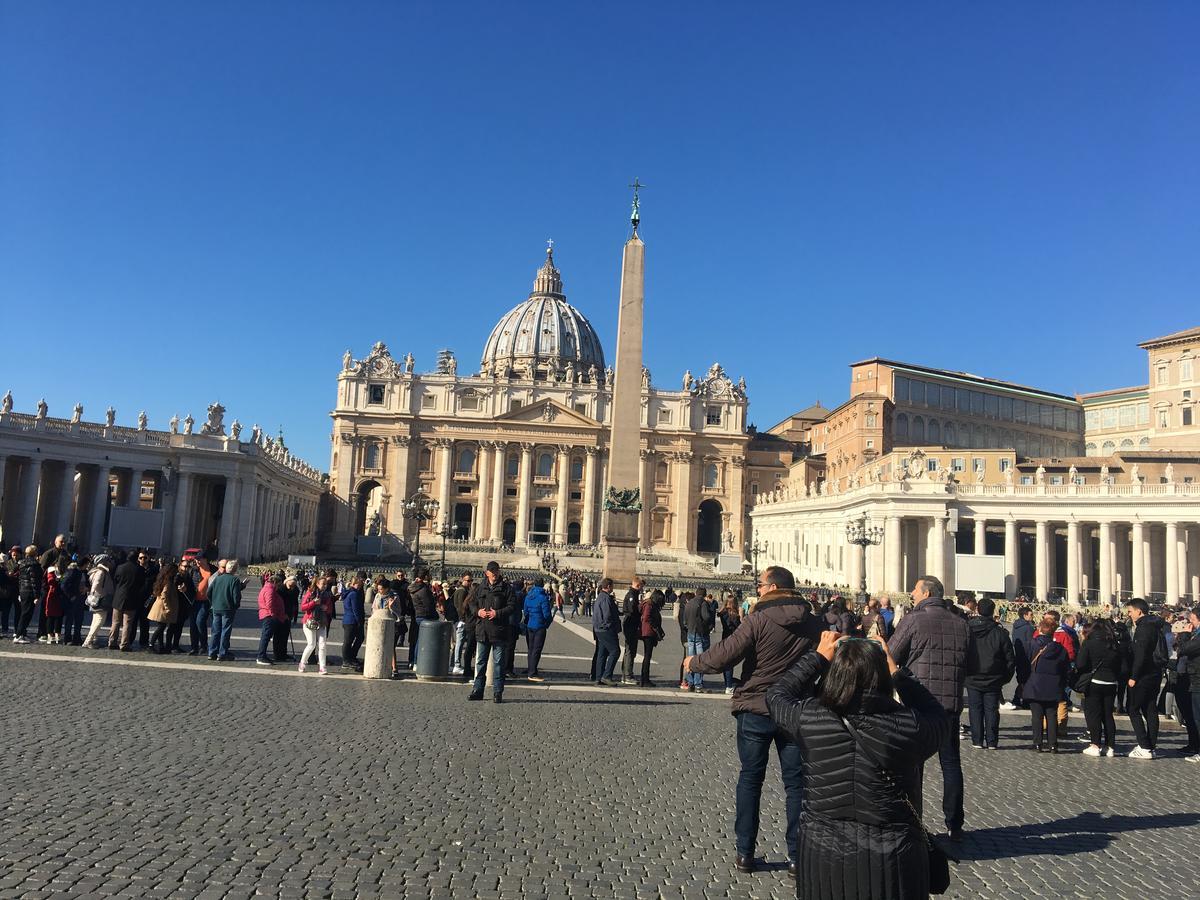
x=1106 y=563
x=560 y=508
x=1171 y=551
x=523 y=492
x=683 y=496
x=66 y=500
x=134 y=497
x=401 y=456
x=892 y=560
x=980 y=537
x=227 y=536
x=937 y=544
x=183 y=509
x=1181 y=552
x=1012 y=559
x=32 y=482
x=1041 y=552
x=479 y=529
x=99 y=509
x=1073 y=563
x=589 y=497
x=495 y=530
x=1193 y=555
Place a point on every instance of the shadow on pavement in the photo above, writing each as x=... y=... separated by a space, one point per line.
x=1082 y=833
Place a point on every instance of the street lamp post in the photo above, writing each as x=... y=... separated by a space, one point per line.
x=755 y=549
x=862 y=535
x=421 y=510
x=444 y=532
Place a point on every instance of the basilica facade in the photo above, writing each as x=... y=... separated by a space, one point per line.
x=517 y=453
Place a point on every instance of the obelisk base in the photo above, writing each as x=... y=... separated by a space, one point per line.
x=620 y=547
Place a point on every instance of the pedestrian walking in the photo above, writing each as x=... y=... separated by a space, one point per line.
x=768 y=642
x=99 y=597
x=536 y=617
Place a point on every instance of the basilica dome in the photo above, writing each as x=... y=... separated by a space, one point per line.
x=543 y=336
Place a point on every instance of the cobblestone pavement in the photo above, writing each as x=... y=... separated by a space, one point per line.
x=131 y=776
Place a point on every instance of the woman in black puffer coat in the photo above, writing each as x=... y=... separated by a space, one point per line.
x=858 y=838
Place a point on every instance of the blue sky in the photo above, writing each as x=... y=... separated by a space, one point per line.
x=213 y=201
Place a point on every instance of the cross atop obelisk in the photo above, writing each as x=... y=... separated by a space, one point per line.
x=623 y=497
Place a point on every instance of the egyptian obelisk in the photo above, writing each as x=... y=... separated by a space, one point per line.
x=622 y=499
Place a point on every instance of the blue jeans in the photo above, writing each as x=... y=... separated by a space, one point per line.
x=482 y=649
x=608 y=651
x=696 y=644
x=755 y=735
x=222 y=630
x=267 y=631
x=199 y=626
x=984 y=714
x=728 y=678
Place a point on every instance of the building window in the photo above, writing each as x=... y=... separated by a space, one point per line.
x=1005 y=465
x=901 y=389
x=949 y=438
x=933 y=431
x=991 y=407
x=871 y=420
x=428 y=401
x=577 y=469
x=1185 y=416
x=375 y=394
x=754 y=488
x=1127 y=415
x=917 y=431
x=713 y=415
x=1162 y=419
x=545 y=465
x=576 y=495
x=870 y=444
x=1019 y=411
x=512 y=466
x=1162 y=373
x=426 y=463
x=661 y=473
x=581 y=408
x=1185 y=369
x=1056 y=479
x=957 y=464
x=466 y=461
x=711 y=475
x=1090 y=450
x=901 y=426
x=1108 y=448
x=1127 y=444
x=1026 y=479
x=510 y=492
x=664 y=417
x=917 y=392
x=469 y=401
x=976 y=403
x=931 y=465
x=465 y=488
x=514 y=404
x=978 y=464
x=1143 y=413
x=371 y=458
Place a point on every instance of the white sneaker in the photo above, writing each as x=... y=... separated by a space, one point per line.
x=728 y=691
x=20 y=640
x=1110 y=751
x=1141 y=753
x=1091 y=750
x=457 y=670
x=1008 y=705
x=44 y=639
x=1195 y=757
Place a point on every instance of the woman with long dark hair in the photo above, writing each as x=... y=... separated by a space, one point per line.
x=1048 y=664
x=860 y=831
x=1100 y=666
x=166 y=606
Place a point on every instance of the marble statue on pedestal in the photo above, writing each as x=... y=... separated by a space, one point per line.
x=42 y=408
x=142 y=421
x=174 y=424
x=77 y=414
x=6 y=403
x=188 y=424
x=110 y=417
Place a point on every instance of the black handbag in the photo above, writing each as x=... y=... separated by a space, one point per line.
x=939 y=862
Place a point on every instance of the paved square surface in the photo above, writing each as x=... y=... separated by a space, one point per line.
x=138 y=775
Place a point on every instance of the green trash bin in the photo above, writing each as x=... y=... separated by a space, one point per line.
x=433 y=651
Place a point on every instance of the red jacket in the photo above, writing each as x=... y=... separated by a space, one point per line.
x=313 y=602
x=270 y=603
x=1062 y=637
x=54 y=595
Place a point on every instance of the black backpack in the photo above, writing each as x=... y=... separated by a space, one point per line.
x=1161 y=655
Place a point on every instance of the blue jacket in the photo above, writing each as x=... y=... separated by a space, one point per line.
x=537 y=609
x=605 y=617
x=352 y=607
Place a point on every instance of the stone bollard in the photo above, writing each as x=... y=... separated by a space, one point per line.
x=379 y=650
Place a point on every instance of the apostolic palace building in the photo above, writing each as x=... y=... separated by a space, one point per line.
x=998 y=487
x=515 y=453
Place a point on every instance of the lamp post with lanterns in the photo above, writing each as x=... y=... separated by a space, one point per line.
x=862 y=535
x=420 y=509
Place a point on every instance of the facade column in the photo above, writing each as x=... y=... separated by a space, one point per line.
x=564 y=486
x=1073 y=563
x=587 y=526
x=400 y=458
x=497 y=510
x=66 y=500
x=481 y=521
x=1139 y=559
x=1106 y=563
x=683 y=498
x=523 y=493
x=183 y=509
x=99 y=509
x=1193 y=555
x=980 y=537
x=646 y=466
x=1171 y=552
x=1181 y=546
x=1040 y=555
x=1012 y=559
x=31 y=476
x=3 y=478
x=445 y=463
x=893 y=561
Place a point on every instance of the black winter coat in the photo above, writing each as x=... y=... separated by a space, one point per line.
x=1048 y=671
x=1187 y=645
x=931 y=641
x=1146 y=634
x=500 y=597
x=31 y=578
x=130 y=579
x=423 y=604
x=991 y=661
x=858 y=838
x=631 y=616
x=1110 y=664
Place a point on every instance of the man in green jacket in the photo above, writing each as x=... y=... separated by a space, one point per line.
x=225 y=595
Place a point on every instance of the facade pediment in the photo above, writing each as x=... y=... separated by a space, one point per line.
x=549 y=412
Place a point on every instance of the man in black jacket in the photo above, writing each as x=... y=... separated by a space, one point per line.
x=1145 y=677
x=130 y=579
x=631 y=627
x=1022 y=640
x=990 y=665
x=492 y=608
x=931 y=642
x=424 y=609
x=698 y=621
x=1187 y=645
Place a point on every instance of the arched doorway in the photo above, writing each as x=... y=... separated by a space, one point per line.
x=573 y=533
x=462 y=521
x=368 y=512
x=708 y=527
x=510 y=531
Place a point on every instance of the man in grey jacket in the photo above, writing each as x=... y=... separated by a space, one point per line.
x=931 y=642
